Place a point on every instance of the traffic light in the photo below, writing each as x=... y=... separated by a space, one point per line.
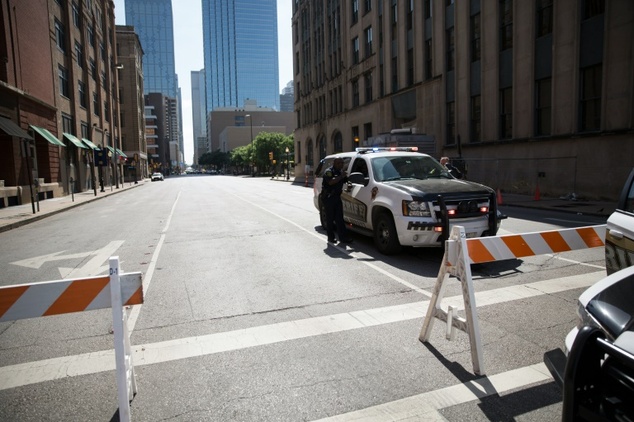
x=270 y=156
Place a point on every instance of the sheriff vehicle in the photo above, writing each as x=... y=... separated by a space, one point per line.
x=404 y=198
x=619 y=236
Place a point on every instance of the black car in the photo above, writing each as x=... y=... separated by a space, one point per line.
x=597 y=370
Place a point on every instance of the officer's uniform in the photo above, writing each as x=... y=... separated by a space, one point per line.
x=331 y=197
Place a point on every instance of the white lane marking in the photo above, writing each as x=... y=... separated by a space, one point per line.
x=572 y=261
x=425 y=406
x=57 y=368
x=560 y=220
x=133 y=313
x=343 y=250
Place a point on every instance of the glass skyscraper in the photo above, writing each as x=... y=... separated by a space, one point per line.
x=154 y=24
x=241 y=57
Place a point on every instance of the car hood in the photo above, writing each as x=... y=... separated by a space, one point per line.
x=429 y=188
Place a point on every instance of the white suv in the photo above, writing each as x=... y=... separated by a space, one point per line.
x=619 y=236
x=404 y=198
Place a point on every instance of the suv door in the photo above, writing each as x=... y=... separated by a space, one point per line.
x=355 y=197
x=619 y=235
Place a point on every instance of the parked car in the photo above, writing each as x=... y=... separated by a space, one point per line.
x=619 y=235
x=157 y=176
x=404 y=198
x=596 y=369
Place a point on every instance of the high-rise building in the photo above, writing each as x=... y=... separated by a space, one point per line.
x=153 y=23
x=241 y=56
x=199 y=130
x=287 y=98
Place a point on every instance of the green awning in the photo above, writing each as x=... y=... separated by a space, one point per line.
x=11 y=129
x=47 y=135
x=74 y=140
x=110 y=149
x=90 y=144
x=121 y=153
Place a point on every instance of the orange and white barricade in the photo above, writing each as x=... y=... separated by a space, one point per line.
x=461 y=252
x=115 y=291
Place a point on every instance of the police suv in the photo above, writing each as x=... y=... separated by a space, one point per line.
x=404 y=198
x=619 y=235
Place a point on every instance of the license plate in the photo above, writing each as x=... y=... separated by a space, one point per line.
x=472 y=234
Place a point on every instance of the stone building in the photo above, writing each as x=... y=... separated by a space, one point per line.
x=521 y=94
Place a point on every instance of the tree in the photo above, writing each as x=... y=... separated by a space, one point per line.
x=217 y=159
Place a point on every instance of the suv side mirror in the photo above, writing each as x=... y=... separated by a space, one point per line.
x=358 y=179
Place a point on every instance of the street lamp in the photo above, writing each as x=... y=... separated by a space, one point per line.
x=288 y=171
x=250 y=124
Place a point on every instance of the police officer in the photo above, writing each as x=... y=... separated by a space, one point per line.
x=333 y=181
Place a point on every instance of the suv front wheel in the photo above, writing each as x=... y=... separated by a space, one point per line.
x=385 y=236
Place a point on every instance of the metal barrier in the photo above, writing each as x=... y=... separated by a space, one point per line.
x=461 y=252
x=77 y=295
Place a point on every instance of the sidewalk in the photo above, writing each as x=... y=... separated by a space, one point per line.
x=13 y=217
x=16 y=216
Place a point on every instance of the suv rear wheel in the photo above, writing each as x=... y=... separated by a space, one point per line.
x=385 y=236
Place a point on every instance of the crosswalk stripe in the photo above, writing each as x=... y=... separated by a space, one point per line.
x=89 y=363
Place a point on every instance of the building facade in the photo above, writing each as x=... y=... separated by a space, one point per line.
x=524 y=95
x=68 y=108
x=232 y=128
x=201 y=145
x=240 y=53
x=132 y=104
x=161 y=114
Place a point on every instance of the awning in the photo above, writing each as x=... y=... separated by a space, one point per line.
x=47 y=135
x=12 y=129
x=110 y=149
x=90 y=144
x=74 y=140
x=121 y=154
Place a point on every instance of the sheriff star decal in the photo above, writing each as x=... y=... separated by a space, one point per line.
x=375 y=190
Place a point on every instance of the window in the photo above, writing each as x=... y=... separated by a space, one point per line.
x=368 y=87
x=95 y=104
x=593 y=8
x=591 y=78
x=79 y=54
x=102 y=49
x=506 y=24
x=451 y=123
x=543 y=103
x=76 y=15
x=410 y=66
x=506 y=113
x=448 y=2
x=63 y=81
x=451 y=46
x=394 y=74
x=59 y=35
x=475 y=38
x=428 y=59
x=355 y=93
x=367 y=130
x=106 y=110
x=410 y=15
x=67 y=123
x=355 y=50
x=355 y=132
x=544 y=17
x=367 y=6
x=338 y=143
x=90 y=32
x=355 y=11
x=81 y=90
x=476 y=124
x=427 y=9
x=93 y=69
x=103 y=80
x=368 y=42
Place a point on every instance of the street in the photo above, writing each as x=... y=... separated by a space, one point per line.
x=250 y=315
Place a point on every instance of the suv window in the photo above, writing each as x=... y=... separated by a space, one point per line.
x=360 y=166
x=410 y=167
x=327 y=163
x=628 y=206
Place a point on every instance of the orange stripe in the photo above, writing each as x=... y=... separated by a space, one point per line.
x=556 y=241
x=77 y=296
x=9 y=296
x=136 y=298
x=591 y=237
x=478 y=252
x=518 y=246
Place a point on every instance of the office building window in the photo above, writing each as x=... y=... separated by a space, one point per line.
x=90 y=32
x=544 y=17
x=60 y=35
x=76 y=15
x=367 y=130
x=451 y=47
x=427 y=9
x=355 y=50
x=368 y=87
x=355 y=93
x=543 y=103
x=475 y=37
x=593 y=8
x=410 y=15
x=591 y=79
x=428 y=59
x=81 y=90
x=95 y=104
x=476 y=122
x=451 y=123
x=106 y=110
x=368 y=42
x=394 y=74
x=506 y=24
x=79 y=53
x=367 y=6
x=506 y=113
x=410 y=66
x=355 y=11
x=63 y=82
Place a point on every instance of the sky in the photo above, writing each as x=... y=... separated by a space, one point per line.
x=188 y=47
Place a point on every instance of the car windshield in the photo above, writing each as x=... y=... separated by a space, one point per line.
x=422 y=167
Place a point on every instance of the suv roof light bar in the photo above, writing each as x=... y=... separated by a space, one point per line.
x=379 y=149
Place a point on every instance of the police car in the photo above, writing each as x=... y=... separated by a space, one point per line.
x=619 y=235
x=404 y=198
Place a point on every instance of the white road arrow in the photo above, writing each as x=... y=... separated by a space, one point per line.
x=38 y=261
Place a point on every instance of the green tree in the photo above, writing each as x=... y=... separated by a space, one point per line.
x=267 y=142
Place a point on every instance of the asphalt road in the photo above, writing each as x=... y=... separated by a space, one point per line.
x=251 y=315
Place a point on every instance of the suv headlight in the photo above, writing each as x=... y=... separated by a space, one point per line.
x=416 y=209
